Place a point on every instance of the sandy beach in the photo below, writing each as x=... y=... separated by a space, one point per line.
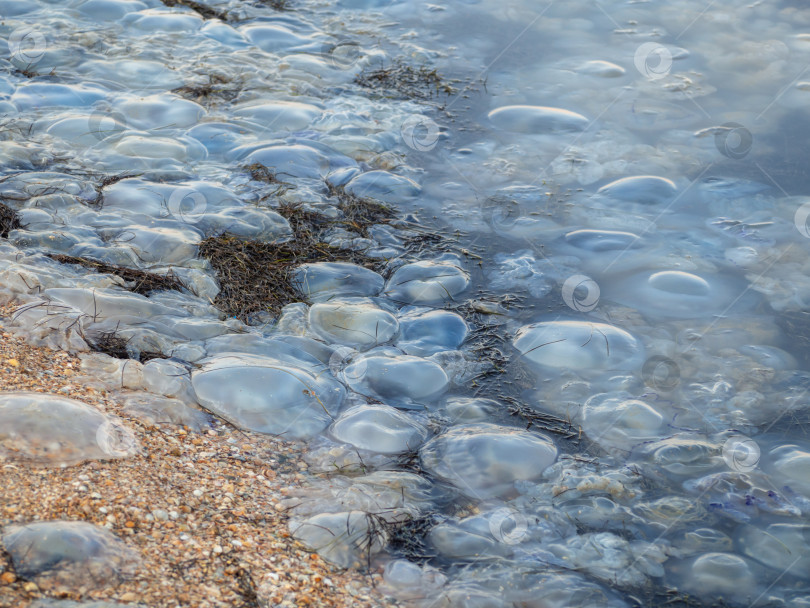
x=201 y=509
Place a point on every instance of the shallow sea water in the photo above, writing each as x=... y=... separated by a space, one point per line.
x=578 y=375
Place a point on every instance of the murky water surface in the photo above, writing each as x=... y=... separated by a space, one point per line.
x=577 y=374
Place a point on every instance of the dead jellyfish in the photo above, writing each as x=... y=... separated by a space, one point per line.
x=781 y=546
x=347 y=539
x=268 y=395
x=685 y=456
x=600 y=68
x=715 y=576
x=383 y=186
x=791 y=467
x=582 y=346
x=427 y=283
x=680 y=295
x=537 y=119
x=59 y=431
x=617 y=422
x=378 y=428
x=325 y=280
x=424 y=332
x=645 y=189
x=485 y=460
x=353 y=322
x=701 y=540
x=401 y=380
x=598 y=241
x=407 y=581
x=68 y=555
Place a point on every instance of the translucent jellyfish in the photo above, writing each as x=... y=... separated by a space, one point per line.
x=379 y=428
x=679 y=294
x=156 y=20
x=268 y=395
x=467 y=409
x=68 y=555
x=424 y=332
x=781 y=546
x=684 y=456
x=647 y=189
x=274 y=38
x=400 y=380
x=291 y=161
x=714 y=576
x=354 y=322
x=701 y=540
x=58 y=431
x=325 y=280
x=156 y=111
x=346 y=539
x=383 y=186
x=598 y=241
x=280 y=115
x=485 y=460
x=406 y=580
x=455 y=542
x=157 y=410
x=579 y=345
x=388 y=493
x=790 y=466
x=427 y=283
x=537 y=119
x=620 y=422
x=602 y=69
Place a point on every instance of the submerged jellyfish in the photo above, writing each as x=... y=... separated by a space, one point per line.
x=485 y=460
x=68 y=555
x=579 y=345
x=427 y=283
x=619 y=422
x=268 y=395
x=59 y=431
x=646 y=189
x=354 y=322
x=681 y=295
x=379 y=428
x=537 y=119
